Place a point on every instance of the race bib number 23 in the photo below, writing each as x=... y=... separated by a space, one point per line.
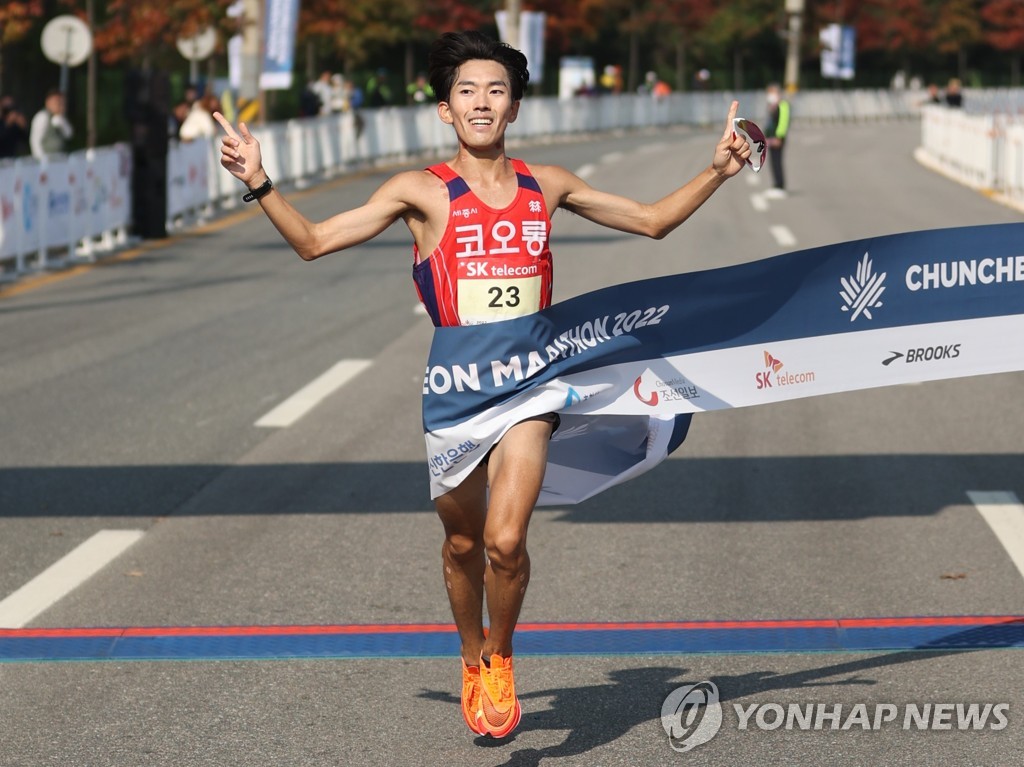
x=498 y=289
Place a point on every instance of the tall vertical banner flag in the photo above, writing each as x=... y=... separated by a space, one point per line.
x=280 y=21
x=626 y=367
x=530 y=42
x=838 y=51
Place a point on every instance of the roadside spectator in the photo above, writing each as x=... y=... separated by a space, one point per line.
x=199 y=122
x=419 y=91
x=13 y=128
x=654 y=86
x=178 y=116
x=211 y=103
x=954 y=97
x=776 y=130
x=337 y=96
x=322 y=89
x=353 y=94
x=933 y=94
x=309 y=101
x=50 y=130
x=611 y=79
x=378 y=89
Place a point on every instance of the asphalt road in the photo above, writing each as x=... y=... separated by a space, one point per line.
x=129 y=398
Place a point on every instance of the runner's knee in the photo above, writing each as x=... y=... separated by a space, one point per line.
x=505 y=548
x=460 y=547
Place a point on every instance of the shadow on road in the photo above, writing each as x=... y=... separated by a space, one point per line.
x=596 y=715
x=689 y=490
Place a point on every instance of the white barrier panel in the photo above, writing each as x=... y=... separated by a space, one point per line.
x=982 y=151
x=10 y=212
x=964 y=144
x=75 y=204
x=1012 y=170
x=55 y=200
x=31 y=209
x=188 y=178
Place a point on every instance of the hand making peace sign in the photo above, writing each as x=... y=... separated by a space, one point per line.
x=240 y=152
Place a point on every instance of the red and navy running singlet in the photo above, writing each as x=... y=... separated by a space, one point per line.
x=490 y=264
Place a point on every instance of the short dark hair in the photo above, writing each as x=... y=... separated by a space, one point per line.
x=453 y=49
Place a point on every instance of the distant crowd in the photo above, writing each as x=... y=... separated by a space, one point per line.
x=953 y=97
x=333 y=93
x=47 y=133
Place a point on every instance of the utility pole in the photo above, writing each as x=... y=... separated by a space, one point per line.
x=252 y=52
x=795 y=11
x=90 y=82
x=513 y=9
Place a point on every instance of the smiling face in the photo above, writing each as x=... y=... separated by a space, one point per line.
x=480 y=106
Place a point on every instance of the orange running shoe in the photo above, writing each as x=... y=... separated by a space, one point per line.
x=499 y=707
x=471 y=698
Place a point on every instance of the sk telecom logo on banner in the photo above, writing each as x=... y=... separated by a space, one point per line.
x=772 y=367
x=862 y=291
x=772 y=375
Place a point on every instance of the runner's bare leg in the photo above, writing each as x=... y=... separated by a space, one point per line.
x=462 y=513
x=516 y=473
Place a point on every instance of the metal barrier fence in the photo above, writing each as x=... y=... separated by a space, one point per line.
x=982 y=151
x=73 y=207
x=76 y=207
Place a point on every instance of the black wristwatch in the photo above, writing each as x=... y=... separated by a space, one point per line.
x=261 y=191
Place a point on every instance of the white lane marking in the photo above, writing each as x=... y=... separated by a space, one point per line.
x=586 y=171
x=759 y=202
x=420 y=309
x=783 y=236
x=312 y=394
x=64 y=575
x=648 y=148
x=612 y=157
x=753 y=179
x=1005 y=515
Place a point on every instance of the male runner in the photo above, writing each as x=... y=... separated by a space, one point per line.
x=484 y=208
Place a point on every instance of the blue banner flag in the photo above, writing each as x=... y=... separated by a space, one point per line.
x=625 y=367
x=280 y=20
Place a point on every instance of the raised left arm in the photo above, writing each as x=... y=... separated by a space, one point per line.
x=654 y=219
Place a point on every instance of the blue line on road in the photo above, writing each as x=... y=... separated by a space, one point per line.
x=432 y=640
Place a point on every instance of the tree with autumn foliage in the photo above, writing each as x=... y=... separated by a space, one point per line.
x=735 y=27
x=356 y=31
x=144 y=32
x=677 y=25
x=16 y=19
x=900 y=28
x=957 y=27
x=1004 y=31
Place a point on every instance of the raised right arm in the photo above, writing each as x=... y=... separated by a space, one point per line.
x=240 y=155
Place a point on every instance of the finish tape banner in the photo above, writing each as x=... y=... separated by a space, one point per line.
x=625 y=367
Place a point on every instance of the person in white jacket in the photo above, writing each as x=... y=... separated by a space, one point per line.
x=50 y=130
x=199 y=123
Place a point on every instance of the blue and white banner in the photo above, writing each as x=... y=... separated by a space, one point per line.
x=626 y=366
x=838 y=51
x=530 y=42
x=281 y=18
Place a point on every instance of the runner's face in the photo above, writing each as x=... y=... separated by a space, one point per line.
x=480 y=106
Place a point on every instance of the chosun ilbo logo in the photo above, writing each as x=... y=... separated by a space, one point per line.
x=691 y=715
